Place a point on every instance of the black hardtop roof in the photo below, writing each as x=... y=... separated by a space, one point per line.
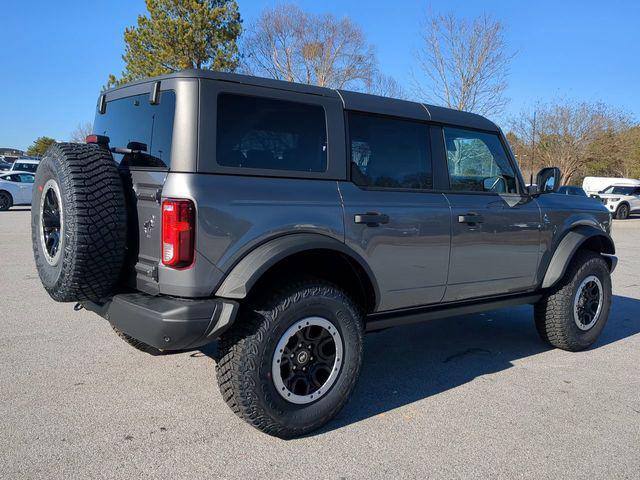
x=363 y=102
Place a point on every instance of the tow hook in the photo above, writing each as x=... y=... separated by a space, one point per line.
x=78 y=306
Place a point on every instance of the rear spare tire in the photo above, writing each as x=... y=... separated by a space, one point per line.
x=78 y=222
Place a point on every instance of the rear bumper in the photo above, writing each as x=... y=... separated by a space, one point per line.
x=168 y=323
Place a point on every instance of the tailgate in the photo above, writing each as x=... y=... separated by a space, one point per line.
x=143 y=190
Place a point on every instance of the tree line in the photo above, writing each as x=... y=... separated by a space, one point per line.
x=461 y=64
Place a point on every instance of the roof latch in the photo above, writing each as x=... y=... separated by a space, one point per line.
x=154 y=96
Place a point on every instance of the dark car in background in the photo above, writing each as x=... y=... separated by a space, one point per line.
x=572 y=190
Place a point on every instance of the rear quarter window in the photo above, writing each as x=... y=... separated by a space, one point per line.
x=270 y=134
x=133 y=122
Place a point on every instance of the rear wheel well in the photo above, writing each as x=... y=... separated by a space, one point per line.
x=330 y=265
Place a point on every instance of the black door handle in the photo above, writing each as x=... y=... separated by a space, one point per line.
x=470 y=218
x=371 y=219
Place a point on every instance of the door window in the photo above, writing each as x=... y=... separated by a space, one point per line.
x=25 y=178
x=478 y=162
x=388 y=152
x=620 y=190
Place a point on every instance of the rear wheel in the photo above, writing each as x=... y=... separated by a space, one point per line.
x=6 y=201
x=622 y=212
x=291 y=361
x=572 y=316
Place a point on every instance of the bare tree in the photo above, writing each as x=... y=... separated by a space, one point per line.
x=287 y=43
x=463 y=65
x=566 y=133
x=81 y=131
x=385 y=86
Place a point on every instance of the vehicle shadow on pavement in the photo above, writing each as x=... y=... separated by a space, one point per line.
x=407 y=364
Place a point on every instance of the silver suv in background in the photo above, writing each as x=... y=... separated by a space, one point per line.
x=287 y=220
x=621 y=200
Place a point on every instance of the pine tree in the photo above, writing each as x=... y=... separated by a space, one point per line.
x=181 y=34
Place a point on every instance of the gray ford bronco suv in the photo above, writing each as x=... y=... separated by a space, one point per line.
x=286 y=220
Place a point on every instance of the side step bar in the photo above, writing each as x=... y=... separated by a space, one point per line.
x=395 y=318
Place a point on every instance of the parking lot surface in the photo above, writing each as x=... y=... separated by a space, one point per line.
x=474 y=396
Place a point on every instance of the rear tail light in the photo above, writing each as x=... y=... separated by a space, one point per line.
x=178 y=232
x=97 y=139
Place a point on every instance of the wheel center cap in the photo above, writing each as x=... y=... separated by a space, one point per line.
x=302 y=357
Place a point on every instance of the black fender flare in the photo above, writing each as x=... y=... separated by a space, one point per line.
x=253 y=265
x=569 y=245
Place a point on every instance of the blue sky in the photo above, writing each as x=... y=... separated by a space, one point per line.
x=55 y=56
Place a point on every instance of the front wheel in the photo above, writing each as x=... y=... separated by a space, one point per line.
x=622 y=212
x=291 y=361
x=6 y=202
x=572 y=315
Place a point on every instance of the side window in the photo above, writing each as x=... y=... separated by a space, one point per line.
x=388 y=152
x=24 y=178
x=478 y=162
x=264 y=133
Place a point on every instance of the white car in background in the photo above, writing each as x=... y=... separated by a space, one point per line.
x=25 y=164
x=15 y=189
x=621 y=200
x=595 y=185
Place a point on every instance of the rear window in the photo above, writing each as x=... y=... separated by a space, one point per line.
x=265 y=133
x=134 y=123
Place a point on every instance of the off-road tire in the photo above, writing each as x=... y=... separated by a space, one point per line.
x=622 y=212
x=93 y=235
x=137 y=344
x=6 y=201
x=554 y=315
x=246 y=353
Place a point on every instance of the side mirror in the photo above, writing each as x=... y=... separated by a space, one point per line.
x=548 y=180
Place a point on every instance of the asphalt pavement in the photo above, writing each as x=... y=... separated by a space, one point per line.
x=466 y=397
